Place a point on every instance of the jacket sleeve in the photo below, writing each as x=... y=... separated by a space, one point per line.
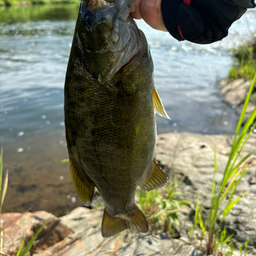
x=202 y=21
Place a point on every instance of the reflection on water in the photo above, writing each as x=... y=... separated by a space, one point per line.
x=34 y=49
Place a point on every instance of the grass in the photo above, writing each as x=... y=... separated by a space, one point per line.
x=244 y=61
x=234 y=171
x=161 y=207
x=33 y=2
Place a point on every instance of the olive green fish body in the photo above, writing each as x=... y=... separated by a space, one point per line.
x=109 y=116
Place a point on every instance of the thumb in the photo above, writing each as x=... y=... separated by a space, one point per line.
x=149 y=3
x=152 y=14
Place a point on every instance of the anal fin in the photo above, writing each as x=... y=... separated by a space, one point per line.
x=84 y=187
x=155 y=179
x=158 y=105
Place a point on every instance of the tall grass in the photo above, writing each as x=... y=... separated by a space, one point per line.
x=161 y=207
x=234 y=171
x=32 y=2
x=243 y=65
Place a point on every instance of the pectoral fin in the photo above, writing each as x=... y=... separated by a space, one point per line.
x=155 y=179
x=84 y=186
x=158 y=105
x=126 y=107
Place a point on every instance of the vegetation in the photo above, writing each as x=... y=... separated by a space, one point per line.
x=30 y=2
x=161 y=207
x=244 y=61
x=234 y=171
x=16 y=14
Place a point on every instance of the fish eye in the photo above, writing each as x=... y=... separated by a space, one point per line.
x=87 y=18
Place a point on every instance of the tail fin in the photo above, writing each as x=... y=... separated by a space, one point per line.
x=113 y=225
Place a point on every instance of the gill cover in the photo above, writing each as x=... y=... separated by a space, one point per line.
x=107 y=37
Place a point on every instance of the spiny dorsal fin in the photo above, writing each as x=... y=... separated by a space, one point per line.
x=158 y=105
x=84 y=187
x=155 y=179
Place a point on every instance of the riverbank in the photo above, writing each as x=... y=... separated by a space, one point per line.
x=179 y=154
x=34 y=2
x=235 y=91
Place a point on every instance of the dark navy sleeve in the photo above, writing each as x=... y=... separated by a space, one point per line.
x=202 y=21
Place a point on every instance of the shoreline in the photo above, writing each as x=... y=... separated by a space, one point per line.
x=180 y=154
x=234 y=93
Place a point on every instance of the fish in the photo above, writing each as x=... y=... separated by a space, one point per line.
x=110 y=103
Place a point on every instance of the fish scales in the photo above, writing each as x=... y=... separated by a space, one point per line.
x=110 y=104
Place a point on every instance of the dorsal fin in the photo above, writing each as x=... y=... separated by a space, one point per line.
x=155 y=179
x=158 y=105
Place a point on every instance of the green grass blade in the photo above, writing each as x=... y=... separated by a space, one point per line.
x=244 y=108
x=1 y=168
x=244 y=159
x=21 y=245
x=64 y=160
x=214 y=175
x=228 y=238
x=5 y=185
x=229 y=207
x=196 y=220
x=30 y=243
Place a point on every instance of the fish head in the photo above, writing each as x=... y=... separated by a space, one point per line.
x=107 y=37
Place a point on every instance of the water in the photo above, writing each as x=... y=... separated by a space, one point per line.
x=34 y=49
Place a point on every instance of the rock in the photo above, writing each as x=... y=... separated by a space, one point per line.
x=193 y=156
x=19 y=226
x=234 y=92
x=126 y=243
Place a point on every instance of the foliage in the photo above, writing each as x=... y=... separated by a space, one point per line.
x=243 y=65
x=233 y=173
x=26 y=2
x=161 y=207
x=52 y=12
x=30 y=243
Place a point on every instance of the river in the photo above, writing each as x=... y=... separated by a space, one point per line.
x=35 y=43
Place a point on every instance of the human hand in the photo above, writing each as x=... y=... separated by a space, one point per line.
x=150 y=12
x=198 y=21
x=202 y=21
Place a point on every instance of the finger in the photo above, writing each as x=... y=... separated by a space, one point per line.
x=152 y=14
x=135 y=10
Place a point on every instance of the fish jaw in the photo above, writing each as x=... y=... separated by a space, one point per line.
x=107 y=37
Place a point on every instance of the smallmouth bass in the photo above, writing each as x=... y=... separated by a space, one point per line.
x=110 y=104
